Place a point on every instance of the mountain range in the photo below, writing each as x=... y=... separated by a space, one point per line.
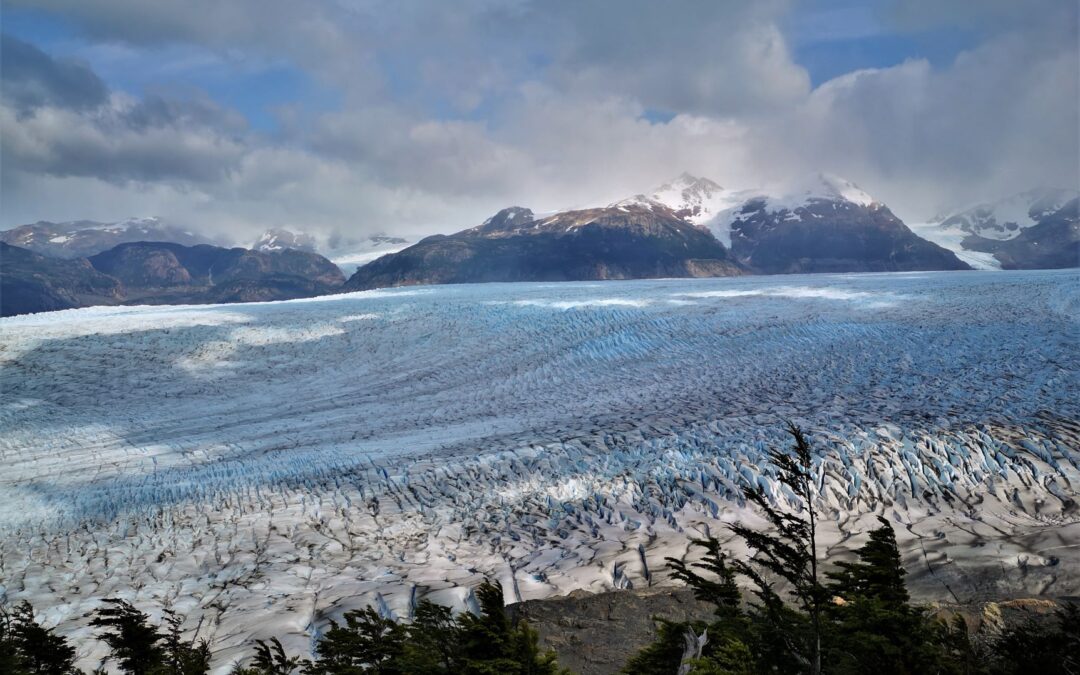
x=83 y=238
x=159 y=273
x=689 y=227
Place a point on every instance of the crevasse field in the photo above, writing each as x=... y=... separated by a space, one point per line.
x=262 y=468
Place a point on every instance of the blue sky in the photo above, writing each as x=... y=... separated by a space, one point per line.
x=352 y=114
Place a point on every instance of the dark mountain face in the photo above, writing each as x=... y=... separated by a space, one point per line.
x=30 y=283
x=161 y=273
x=83 y=238
x=157 y=265
x=1052 y=243
x=831 y=235
x=630 y=242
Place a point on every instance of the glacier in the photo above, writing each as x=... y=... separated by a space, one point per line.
x=263 y=468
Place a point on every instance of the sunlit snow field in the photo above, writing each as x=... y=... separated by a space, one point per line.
x=262 y=467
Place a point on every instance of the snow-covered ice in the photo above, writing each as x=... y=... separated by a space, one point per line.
x=260 y=468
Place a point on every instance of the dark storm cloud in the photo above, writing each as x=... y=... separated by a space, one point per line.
x=59 y=118
x=32 y=78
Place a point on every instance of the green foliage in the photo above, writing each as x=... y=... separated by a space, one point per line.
x=723 y=592
x=662 y=657
x=367 y=643
x=140 y=648
x=270 y=659
x=878 y=573
x=135 y=643
x=180 y=657
x=730 y=657
x=860 y=622
x=27 y=647
x=435 y=642
x=788 y=551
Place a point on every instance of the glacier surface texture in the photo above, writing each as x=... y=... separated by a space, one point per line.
x=263 y=468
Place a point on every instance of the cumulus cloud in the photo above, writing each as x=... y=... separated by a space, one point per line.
x=449 y=112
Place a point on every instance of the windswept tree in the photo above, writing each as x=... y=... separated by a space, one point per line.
x=27 y=647
x=787 y=551
x=141 y=648
x=135 y=643
x=435 y=642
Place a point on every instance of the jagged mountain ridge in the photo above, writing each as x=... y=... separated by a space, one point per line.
x=615 y=242
x=84 y=238
x=1052 y=242
x=826 y=225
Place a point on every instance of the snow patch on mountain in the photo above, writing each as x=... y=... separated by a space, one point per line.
x=1006 y=218
x=952 y=239
x=277 y=239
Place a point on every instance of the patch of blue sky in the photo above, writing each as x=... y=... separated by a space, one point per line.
x=256 y=88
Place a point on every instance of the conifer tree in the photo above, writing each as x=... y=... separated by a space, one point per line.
x=182 y=657
x=367 y=643
x=878 y=573
x=135 y=643
x=788 y=550
x=28 y=647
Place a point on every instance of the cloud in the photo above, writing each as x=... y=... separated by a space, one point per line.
x=448 y=112
x=32 y=78
x=1002 y=118
x=121 y=141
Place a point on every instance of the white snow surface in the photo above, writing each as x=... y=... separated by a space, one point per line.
x=952 y=238
x=1006 y=218
x=262 y=468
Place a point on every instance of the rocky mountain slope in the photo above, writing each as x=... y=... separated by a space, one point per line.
x=83 y=238
x=161 y=273
x=1036 y=229
x=826 y=224
x=30 y=282
x=829 y=226
x=681 y=229
x=164 y=265
x=622 y=241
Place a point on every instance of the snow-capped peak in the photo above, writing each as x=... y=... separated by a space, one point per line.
x=1006 y=218
x=276 y=239
x=696 y=200
x=829 y=187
